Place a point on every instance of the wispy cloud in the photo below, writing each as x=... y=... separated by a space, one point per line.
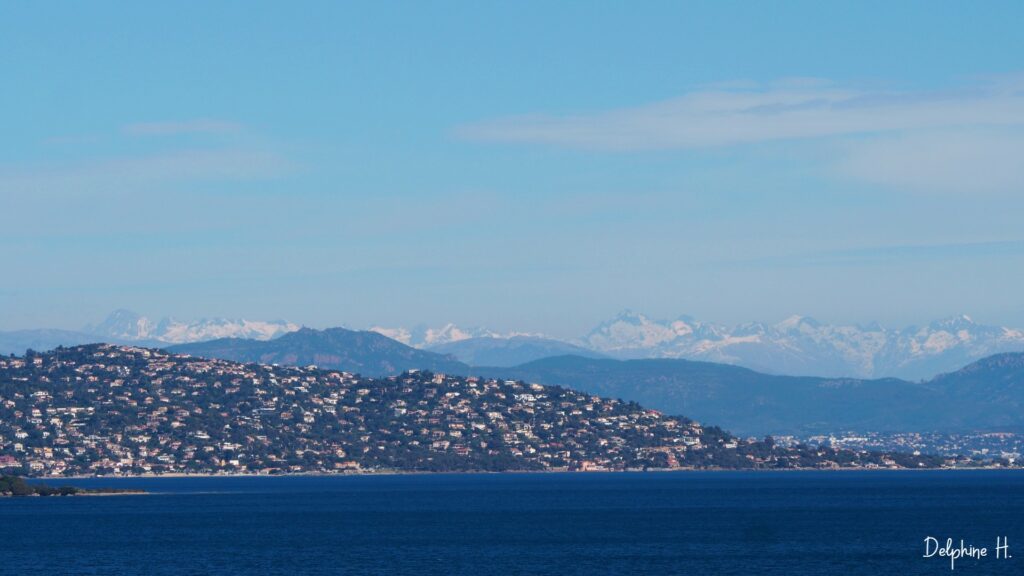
x=136 y=173
x=944 y=161
x=964 y=140
x=197 y=126
x=783 y=112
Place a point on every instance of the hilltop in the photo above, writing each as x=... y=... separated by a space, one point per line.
x=362 y=352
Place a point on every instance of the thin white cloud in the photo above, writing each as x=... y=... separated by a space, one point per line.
x=198 y=126
x=946 y=161
x=137 y=173
x=724 y=117
x=957 y=141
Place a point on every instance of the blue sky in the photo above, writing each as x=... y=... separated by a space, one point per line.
x=518 y=165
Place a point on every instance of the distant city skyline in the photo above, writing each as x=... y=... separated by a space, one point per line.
x=516 y=166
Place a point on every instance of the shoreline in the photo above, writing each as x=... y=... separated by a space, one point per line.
x=80 y=494
x=503 y=472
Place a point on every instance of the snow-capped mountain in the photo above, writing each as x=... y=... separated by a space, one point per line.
x=426 y=337
x=803 y=346
x=125 y=325
x=797 y=346
x=513 y=351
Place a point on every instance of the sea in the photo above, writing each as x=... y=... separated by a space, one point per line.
x=758 y=523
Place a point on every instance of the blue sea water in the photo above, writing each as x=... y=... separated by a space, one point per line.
x=790 y=523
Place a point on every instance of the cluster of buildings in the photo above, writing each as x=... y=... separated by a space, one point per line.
x=119 y=410
x=992 y=447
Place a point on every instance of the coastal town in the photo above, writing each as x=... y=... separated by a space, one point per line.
x=982 y=446
x=122 y=410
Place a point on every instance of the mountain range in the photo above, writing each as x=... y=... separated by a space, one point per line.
x=127 y=327
x=796 y=346
x=803 y=346
x=423 y=336
x=987 y=395
x=510 y=351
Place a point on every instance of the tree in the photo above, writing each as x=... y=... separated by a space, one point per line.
x=15 y=486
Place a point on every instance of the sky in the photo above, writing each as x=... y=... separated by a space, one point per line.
x=532 y=166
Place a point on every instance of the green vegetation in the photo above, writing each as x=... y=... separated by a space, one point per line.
x=16 y=486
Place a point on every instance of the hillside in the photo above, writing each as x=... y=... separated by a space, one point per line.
x=491 y=351
x=999 y=372
x=104 y=409
x=366 y=353
x=990 y=389
x=988 y=395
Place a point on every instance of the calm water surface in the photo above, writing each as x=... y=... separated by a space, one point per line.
x=561 y=524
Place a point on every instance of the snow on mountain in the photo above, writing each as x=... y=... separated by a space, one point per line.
x=797 y=345
x=802 y=346
x=180 y=332
x=125 y=325
x=446 y=334
x=513 y=351
x=945 y=345
x=401 y=334
x=426 y=337
x=630 y=331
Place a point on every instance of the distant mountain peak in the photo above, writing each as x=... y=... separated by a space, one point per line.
x=424 y=336
x=400 y=334
x=447 y=333
x=796 y=321
x=125 y=325
x=511 y=351
x=122 y=324
x=954 y=323
x=799 y=345
x=791 y=321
